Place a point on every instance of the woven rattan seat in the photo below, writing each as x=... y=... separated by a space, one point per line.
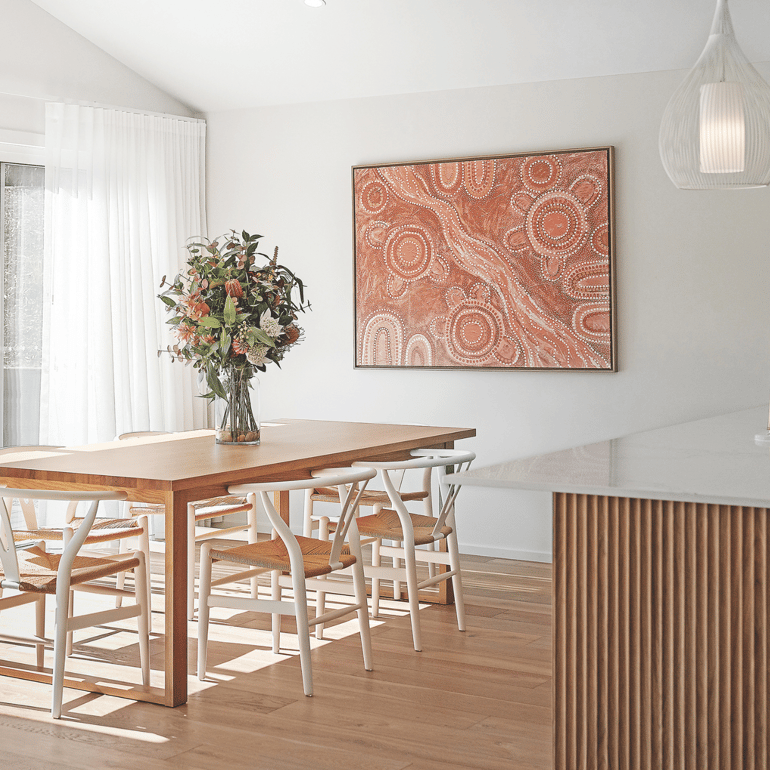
x=387 y=526
x=38 y=569
x=369 y=497
x=272 y=554
x=103 y=531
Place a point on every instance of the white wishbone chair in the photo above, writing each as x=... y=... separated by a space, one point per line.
x=413 y=535
x=306 y=562
x=34 y=573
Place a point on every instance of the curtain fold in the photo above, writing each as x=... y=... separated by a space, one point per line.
x=124 y=192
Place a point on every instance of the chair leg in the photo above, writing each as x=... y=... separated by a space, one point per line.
x=303 y=632
x=320 y=608
x=120 y=578
x=144 y=547
x=376 y=562
x=431 y=565
x=457 y=581
x=275 y=618
x=414 y=601
x=70 y=608
x=359 y=585
x=70 y=613
x=40 y=629
x=204 y=590
x=253 y=537
x=140 y=588
x=396 y=583
x=61 y=626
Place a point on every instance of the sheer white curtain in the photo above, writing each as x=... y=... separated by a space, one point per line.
x=124 y=192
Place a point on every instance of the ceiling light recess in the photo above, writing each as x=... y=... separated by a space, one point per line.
x=315 y=3
x=715 y=131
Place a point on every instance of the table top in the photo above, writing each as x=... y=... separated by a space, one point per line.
x=179 y=461
x=714 y=460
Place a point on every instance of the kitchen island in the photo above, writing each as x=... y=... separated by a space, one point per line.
x=660 y=595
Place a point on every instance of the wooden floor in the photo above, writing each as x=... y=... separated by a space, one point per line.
x=479 y=699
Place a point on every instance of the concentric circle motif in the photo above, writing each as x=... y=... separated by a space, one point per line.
x=541 y=172
x=373 y=196
x=479 y=177
x=473 y=332
x=600 y=240
x=419 y=351
x=408 y=252
x=382 y=341
x=591 y=321
x=447 y=177
x=556 y=224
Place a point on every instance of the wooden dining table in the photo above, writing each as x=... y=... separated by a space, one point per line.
x=178 y=468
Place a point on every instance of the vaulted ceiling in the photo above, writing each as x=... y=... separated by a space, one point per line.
x=227 y=54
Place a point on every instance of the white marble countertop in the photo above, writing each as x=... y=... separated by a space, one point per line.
x=714 y=460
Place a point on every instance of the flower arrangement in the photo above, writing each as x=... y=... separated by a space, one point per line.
x=231 y=316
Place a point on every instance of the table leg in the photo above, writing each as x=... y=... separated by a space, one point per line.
x=176 y=599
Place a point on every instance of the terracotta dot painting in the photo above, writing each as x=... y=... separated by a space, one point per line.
x=500 y=262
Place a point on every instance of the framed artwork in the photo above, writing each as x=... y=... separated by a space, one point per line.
x=502 y=262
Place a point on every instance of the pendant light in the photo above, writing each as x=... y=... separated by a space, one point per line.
x=715 y=132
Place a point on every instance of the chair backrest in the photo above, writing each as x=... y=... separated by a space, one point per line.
x=350 y=482
x=8 y=553
x=444 y=460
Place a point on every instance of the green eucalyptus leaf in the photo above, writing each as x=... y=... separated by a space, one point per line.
x=209 y=322
x=230 y=312
x=260 y=337
x=224 y=343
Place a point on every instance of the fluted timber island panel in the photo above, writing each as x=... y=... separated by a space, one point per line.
x=660 y=634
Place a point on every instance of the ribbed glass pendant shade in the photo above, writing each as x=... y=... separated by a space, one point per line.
x=715 y=131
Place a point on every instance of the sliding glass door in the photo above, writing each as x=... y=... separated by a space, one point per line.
x=22 y=206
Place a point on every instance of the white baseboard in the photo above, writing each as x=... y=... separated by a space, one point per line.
x=507 y=553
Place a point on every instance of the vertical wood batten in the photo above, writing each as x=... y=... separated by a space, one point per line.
x=560 y=631
x=666 y=631
x=603 y=640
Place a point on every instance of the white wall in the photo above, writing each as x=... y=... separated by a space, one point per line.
x=692 y=271
x=42 y=59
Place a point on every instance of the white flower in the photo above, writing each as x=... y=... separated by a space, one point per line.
x=257 y=355
x=269 y=325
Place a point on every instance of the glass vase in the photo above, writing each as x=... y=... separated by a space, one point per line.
x=237 y=417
